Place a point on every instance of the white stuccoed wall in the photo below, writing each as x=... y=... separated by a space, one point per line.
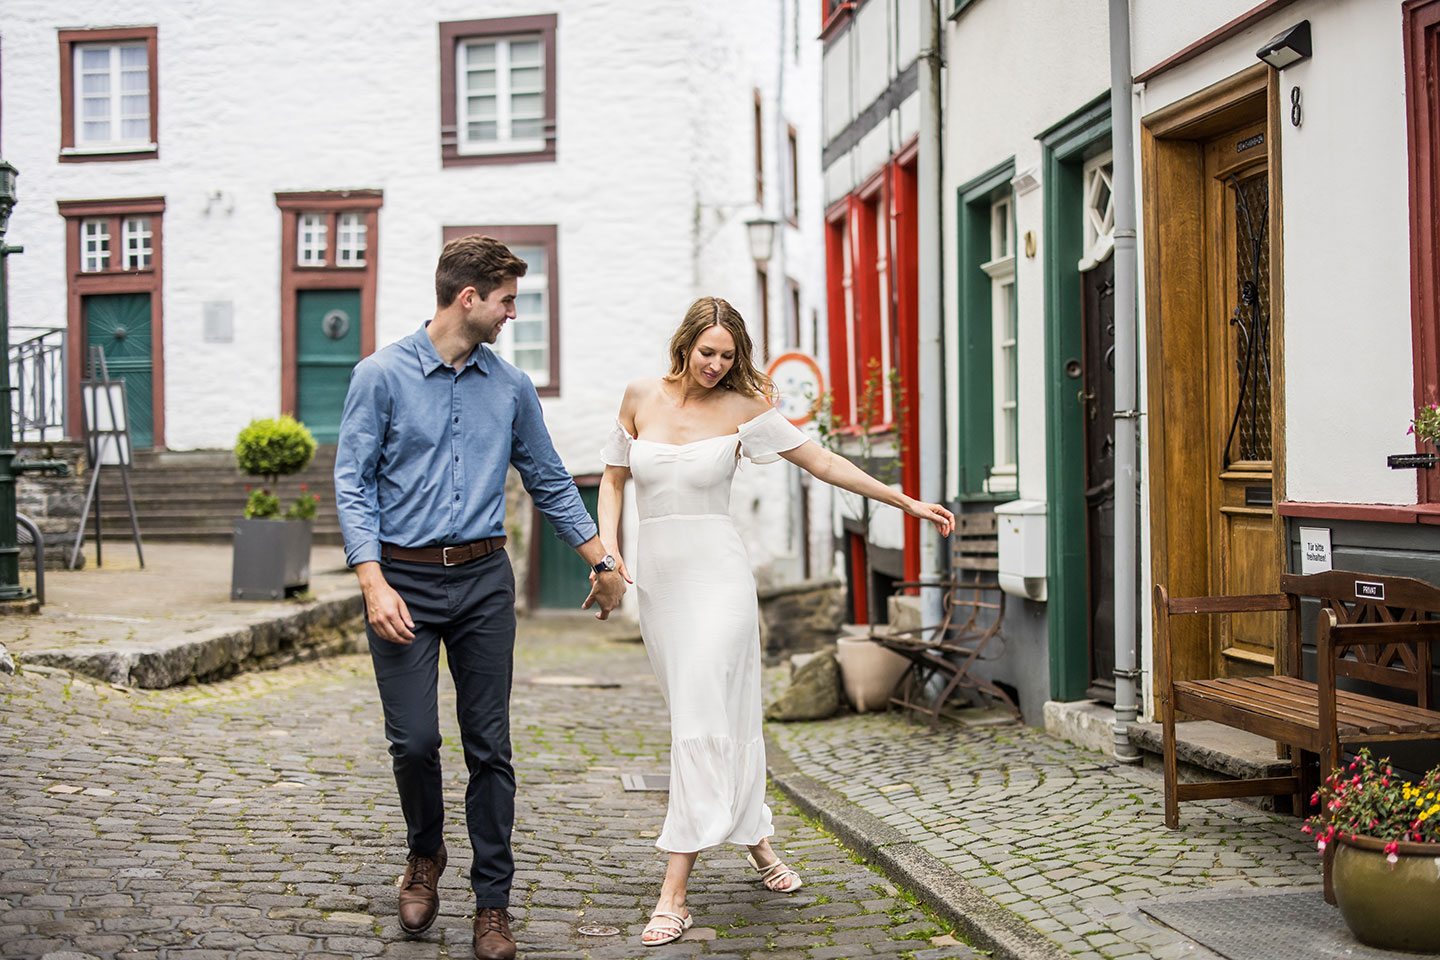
x=650 y=188
x=1014 y=70
x=1349 y=370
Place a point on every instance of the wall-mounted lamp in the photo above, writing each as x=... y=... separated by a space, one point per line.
x=762 y=238
x=1287 y=47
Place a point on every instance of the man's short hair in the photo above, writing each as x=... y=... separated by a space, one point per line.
x=474 y=261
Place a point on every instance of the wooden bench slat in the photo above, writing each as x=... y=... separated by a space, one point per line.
x=1246 y=695
x=1281 y=731
x=1365 y=714
x=1253 y=603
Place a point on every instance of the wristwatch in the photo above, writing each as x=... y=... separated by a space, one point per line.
x=607 y=564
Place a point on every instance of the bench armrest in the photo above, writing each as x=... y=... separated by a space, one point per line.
x=1341 y=636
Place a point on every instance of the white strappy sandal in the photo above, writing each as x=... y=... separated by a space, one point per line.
x=776 y=876
x=672 y=925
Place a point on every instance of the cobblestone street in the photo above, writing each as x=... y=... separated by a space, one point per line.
x=1068 y=839
x=256 y=819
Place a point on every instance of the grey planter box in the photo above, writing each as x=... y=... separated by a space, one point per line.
x=272 y=558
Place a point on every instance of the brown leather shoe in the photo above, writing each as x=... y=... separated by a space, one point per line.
x=419 y=898
x=493 y=940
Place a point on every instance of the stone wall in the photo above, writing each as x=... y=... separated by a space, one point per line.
x=801 y=617
x=54 y=503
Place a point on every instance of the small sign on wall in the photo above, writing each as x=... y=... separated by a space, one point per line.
x=1314 y=549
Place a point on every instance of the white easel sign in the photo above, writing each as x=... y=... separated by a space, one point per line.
x=1314 y=550
x=109 y=434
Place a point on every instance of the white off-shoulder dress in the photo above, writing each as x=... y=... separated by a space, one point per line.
x=700 y=622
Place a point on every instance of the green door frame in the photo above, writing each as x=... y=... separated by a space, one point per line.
x=1065 y=147
x=975 y=395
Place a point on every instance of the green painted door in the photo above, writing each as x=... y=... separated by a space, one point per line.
x=327 y=349
x=119 y=324
x=564 y=577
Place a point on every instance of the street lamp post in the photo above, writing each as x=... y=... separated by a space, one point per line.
x=11 y=592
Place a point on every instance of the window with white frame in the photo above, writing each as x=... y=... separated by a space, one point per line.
x=501 y=96
x=525 y=341
x=312 y=230
x=135 y=243
x=94 y=245
x=1099 y=214
x=112 y=95
x=349 y=240
x=1000 y=268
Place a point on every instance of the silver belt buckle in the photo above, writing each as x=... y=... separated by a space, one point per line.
x=445 y=557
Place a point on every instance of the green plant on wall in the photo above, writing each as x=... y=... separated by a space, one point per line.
x=274 y=448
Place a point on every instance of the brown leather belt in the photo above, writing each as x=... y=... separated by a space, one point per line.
x=451 y=556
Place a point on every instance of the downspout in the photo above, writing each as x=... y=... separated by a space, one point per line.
x=932 y=384
x=1127 y=485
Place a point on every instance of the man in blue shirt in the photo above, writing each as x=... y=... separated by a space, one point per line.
x=430 y=426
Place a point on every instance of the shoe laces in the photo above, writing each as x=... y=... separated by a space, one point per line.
x=420 y=870
x=494 y=919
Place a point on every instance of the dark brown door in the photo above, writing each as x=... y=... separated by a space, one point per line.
x=1098 y=399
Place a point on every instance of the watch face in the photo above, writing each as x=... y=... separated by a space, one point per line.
x=607 y=564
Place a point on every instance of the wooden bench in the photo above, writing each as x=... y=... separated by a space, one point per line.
x=1371 y=628
x=972 y=609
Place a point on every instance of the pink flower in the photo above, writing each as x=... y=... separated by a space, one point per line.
x=1320 y=844
x=1305 y=829
x=1390 y=853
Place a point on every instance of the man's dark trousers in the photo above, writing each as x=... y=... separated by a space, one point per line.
x=471 y=609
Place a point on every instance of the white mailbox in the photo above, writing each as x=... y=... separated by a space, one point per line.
x=1021 y=526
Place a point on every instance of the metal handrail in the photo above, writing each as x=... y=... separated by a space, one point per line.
x=37 y=376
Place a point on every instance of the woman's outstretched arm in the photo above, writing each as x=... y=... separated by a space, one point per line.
x=834 y=469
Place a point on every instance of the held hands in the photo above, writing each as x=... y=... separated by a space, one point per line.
x=943 y=519
x=606 y=589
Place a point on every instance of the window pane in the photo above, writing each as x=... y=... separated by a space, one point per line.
x=135 y=81
x=531 y=361
x=95 y=108
x=527 y=129
x=527 y=80
x=534 y=258
x=96 y=130
x=529 y=332
x=480 y=54
x=95 y=58
x=93 y=83
x=528 y=305
x=135 y=106
x=132 y=57
x=480 y=108
x=135 y=129
x=527 y=105
x=482 y=131
x=524 y=53
x=480 y=81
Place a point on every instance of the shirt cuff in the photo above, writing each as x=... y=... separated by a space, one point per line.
x=363 y=553
x=579 y=533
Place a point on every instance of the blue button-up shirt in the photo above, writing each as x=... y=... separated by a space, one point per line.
x=423 y=452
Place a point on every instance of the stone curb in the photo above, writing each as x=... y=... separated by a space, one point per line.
x=982 y=922
x=319 y=629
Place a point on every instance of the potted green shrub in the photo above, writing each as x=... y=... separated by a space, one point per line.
x=1384 y=833
x=272 y=550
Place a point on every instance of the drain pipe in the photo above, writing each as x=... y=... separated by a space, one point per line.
x=932 y=386
x=1127 y=486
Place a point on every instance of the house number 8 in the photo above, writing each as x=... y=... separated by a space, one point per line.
x=1295 y=113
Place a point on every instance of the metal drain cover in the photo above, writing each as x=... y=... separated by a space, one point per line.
x=645 y=781
x=596 y=930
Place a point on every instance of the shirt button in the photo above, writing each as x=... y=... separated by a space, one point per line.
x=457 y=419
x=457 y=496
x=457 y=459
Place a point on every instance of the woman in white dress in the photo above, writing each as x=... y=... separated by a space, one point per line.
x=680 y=437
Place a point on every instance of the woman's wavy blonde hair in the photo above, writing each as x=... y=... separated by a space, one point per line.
x=743 y=377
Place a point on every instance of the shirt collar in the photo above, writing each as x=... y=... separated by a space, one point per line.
x=430 y=360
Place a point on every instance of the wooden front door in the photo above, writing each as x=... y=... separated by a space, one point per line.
x=1247 y=556
x=327 y=349
x=119 y=324
x=1098 y=401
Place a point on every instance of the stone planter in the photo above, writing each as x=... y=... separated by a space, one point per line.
x=1391 y=906
x=868 y=672
x=271 y=558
